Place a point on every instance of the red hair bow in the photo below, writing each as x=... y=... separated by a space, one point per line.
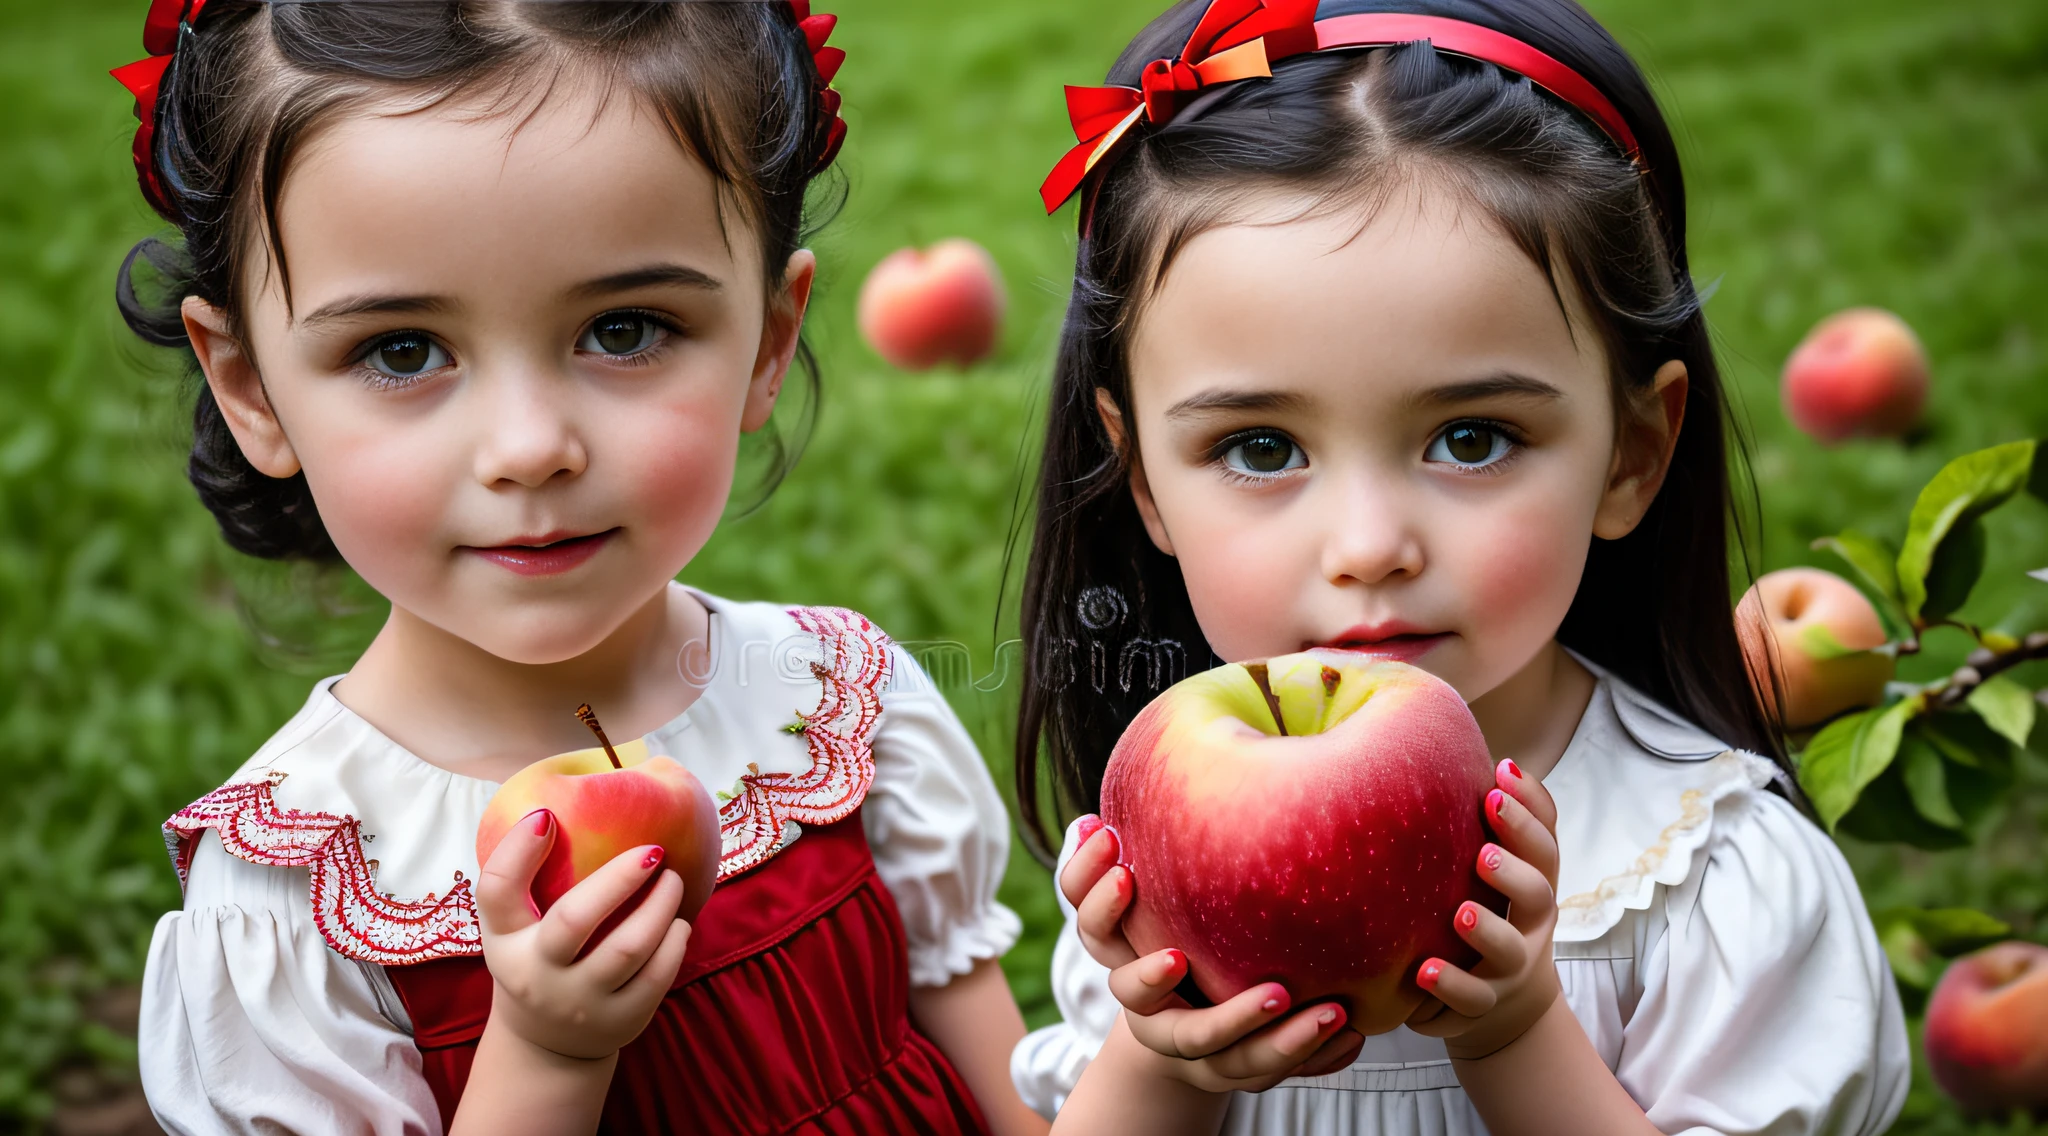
x=166 y=19
x=143 y=77
x=1242 y=39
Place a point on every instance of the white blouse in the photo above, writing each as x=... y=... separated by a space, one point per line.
x=252 y=1023
x=1711 y=941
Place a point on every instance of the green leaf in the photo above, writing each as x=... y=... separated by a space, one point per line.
x=1921 y=767
x=1820 y=643
x=1958 y=564
x=1848 y=754
x=2006 y=706
x=1871 y=559
x=1953 y=931
x=1886 y=813
x=1913 y=961
x=1964 y=490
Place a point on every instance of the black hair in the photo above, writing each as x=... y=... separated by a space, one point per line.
x=733 y=80
x=1654 y=607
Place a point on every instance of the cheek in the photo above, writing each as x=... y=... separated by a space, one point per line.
x=674 y=470
x=381 y=494
x=1245 y=567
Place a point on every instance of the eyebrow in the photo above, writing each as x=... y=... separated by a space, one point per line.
x=1221 y=401
x=1505 y=384
x=375 y=305
x=654 y=275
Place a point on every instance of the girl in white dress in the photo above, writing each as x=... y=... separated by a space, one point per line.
x=1383 y=339
x=485 y=296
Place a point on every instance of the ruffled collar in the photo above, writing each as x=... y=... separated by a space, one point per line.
x=1635 y=792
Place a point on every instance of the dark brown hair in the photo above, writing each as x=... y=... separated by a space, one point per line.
x=1106 y=616
x=734 y=81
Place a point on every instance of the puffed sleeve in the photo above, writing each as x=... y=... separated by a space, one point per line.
x=250 y=1024
x=939 y=832
x=1048 y=1063
x=1768 y=1006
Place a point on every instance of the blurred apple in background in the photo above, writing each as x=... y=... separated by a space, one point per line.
x=605 y=802
x=1987 y=1030
x=1312 y=819
x=920 y=308
x=1822 y=631
x=1858 y=373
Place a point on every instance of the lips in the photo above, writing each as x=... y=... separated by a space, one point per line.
x=1399 y=641
x=549 y=554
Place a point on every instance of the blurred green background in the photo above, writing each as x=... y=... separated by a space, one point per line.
x=1840 y=152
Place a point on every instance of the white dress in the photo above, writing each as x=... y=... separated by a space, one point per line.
x=1711 y=941
x=252 y=1020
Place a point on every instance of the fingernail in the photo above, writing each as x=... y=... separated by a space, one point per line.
x=1175 y=960
x=1430 y=972
x=1494 y=799
x=542 y=821
x=1514 y=771
x=653 y=858
x=1490 y=856
x=1468 y=915
x=1328 y=1016
x=1123 y=881
x=1085 y=828
x=1276 y=1001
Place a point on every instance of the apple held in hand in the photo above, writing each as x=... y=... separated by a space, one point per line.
x=1987 y=1030
x=1822 y=632
x=940 y=305
x=605 y=801
x=1858 y=373
x=1312 y=820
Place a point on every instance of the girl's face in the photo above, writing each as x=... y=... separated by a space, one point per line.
x=1386 y=438
x=515 y=363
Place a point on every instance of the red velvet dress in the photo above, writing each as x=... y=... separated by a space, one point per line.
x=790 y=1013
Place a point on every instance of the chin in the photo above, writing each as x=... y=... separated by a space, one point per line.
x=538 y=634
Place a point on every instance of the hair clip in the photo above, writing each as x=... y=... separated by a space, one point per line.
x=817 y=29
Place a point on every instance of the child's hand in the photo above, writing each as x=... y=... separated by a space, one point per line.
x=586 y=1007
x=1240 y=1045
x=1477 y=1012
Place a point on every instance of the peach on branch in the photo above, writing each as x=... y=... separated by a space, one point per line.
x=1312 y=819
x=1987 y=1030
x=607 y=800
x=1858 y=373
x=1822 y=634
x=920 y=308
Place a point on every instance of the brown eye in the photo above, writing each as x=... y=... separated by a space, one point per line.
x=405 y=354
x=622 y=333
x=1263 y=453
x=1469 y=444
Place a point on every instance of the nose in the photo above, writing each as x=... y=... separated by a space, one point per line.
x=528 y=434
x=1372 y=536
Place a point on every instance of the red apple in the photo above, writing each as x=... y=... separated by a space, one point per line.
x=1858 y=373
x=1312 y=820
x=1822 y=631
x=940 y=305
x=601 y=811
x=1987 y=1030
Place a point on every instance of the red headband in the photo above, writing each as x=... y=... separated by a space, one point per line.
x=167 y=19
x=1242 y=39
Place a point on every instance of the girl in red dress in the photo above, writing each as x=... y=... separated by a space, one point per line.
x=484 y=296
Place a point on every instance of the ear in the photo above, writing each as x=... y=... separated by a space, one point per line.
x=1642 y=454
x=238 y=390
x=1141 y=492
x=779 y=338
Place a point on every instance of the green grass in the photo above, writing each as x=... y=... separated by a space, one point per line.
x=1877 y=151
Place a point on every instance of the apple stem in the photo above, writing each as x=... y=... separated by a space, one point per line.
x=1259 y=676
x=588 y=717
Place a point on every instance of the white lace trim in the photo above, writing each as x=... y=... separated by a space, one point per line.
x=1668 y=860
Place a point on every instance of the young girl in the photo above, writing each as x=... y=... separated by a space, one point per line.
x=485 y=296
x=1383 y=339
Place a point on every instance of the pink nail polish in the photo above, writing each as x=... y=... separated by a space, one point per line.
x=1428 y=975
x=1490 y=856
x=1468 y=916
x=653 y=858
x=1272 y=1005
x=1514 y=770
x=1494 y=800
x=1085 y=828
x=542 y=821
x=1176 y=960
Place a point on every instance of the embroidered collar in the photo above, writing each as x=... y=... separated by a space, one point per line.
x=321 y=791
